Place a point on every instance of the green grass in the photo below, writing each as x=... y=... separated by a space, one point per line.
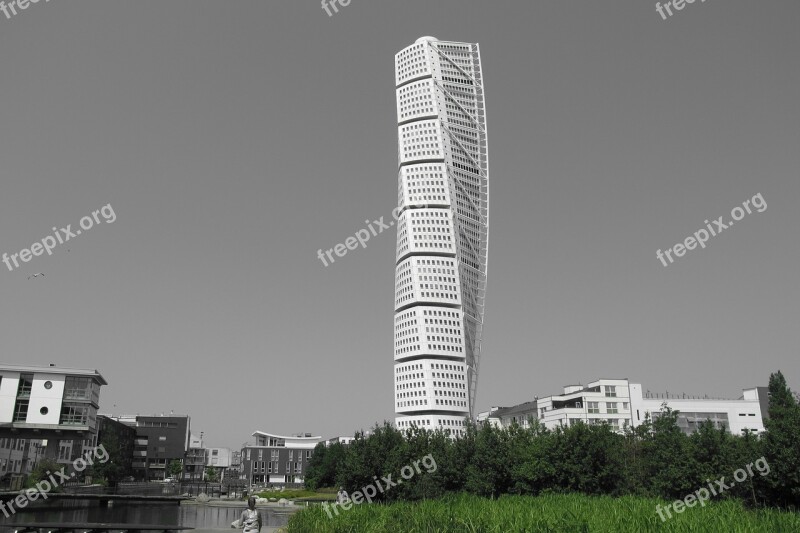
x=310 y=495
x=552 y=513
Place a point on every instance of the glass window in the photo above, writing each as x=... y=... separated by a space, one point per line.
x=77 y=388
x=74 y=414
x=25 y=385
x=21 y=411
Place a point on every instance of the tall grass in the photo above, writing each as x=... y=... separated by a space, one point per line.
x=553 y=513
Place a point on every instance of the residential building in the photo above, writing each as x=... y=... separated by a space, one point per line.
x=160 y=440
x=442 y=221
x=622 y=404
x=54 y=406
x=219 y=457
x=194 y=465
x=277 y=459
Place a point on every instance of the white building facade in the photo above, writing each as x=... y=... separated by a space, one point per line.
x=49 y=398
x=619 y=403
x=442 y=233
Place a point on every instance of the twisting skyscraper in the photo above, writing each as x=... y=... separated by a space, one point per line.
x=442 y=233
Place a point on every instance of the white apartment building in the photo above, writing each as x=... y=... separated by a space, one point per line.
x=48 y=399
x=442 y=221
x=620 y=403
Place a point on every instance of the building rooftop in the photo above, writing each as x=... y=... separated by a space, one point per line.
x=516 y=409
x=52 y=369
x=306 y=436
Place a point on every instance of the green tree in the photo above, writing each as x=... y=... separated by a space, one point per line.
x=315 y=470
x=118 y=464
x=488 y=471
x=212 y=475
x=635 y=469
x=324 y=465
x=714 y=452
x=782 y=445
x=587 y=459
x=42 y=471
x=425 y=452
x=532 y=471
x=432 y=482
x=175 y=468
x=670 y=466
x=748 y=449
x=372 y=456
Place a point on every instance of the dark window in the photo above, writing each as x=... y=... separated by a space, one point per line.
x=25 y=385
x=21 y=410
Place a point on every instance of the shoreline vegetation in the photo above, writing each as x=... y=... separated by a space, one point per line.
x=563 y=513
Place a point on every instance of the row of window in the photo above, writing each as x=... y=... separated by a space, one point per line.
x=71 y=414
x=411 y=63
x=274 y=454
x=424 y=402
x=271 y=467
x=415 y=99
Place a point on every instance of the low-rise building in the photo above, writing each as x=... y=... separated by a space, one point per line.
x=220 y=460
x=160 y=440
x=277 y=459
x=619 y=403
x=505 y=416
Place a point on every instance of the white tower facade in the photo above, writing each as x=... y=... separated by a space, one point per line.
x=442 y=233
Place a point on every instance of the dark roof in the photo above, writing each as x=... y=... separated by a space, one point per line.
x=526 y=407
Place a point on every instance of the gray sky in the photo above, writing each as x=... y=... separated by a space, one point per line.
x=235 y=139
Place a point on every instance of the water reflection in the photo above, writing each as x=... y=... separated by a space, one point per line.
x=196 y=516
